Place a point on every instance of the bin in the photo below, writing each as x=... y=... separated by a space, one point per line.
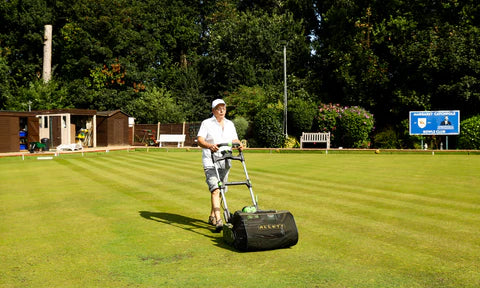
x=45 y=142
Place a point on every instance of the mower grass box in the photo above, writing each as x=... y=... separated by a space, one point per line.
x=262 y=230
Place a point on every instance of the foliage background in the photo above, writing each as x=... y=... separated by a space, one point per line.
x=470 y=137
x=167 y=60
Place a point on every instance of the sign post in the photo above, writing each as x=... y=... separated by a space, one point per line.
x=434 y=123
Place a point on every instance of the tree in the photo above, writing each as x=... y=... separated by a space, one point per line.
x=5 y=92
x=389 y=57
x=155 y=105
x=394 y=56
x=21 y=42
x=246 y=48
x=187 y=90
x=39 y=96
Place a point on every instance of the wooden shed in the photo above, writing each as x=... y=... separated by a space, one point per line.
x=17 y=130
x=112 y=128
x=61 y=126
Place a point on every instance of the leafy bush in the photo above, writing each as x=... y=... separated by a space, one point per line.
x=155 y=105
x=41 y=95
x=247 y=101
x=470 y=133
x=348 y=126
x=386 y=139
x=241 y=125
x=268 y=130
x=355 y=126
x=301 y=114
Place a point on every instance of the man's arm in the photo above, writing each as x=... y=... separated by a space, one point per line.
x=204 y=144
x=213 y=147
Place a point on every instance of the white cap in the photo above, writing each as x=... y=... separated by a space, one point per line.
x=217 y=102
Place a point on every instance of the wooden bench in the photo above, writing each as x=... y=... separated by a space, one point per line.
x=318 y=137
x=164 y=138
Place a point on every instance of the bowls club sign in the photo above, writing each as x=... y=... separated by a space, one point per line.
x=434 y=122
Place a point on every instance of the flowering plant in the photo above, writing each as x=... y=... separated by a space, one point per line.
x=348 y=126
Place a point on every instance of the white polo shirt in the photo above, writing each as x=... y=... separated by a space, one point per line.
x=213 y=133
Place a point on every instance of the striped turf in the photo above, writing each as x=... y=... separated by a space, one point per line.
x=138 y=219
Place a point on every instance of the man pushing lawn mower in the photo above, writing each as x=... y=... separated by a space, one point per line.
x=213 y=131
x=249 y=229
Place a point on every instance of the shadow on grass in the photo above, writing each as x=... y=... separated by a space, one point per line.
x=189 y=224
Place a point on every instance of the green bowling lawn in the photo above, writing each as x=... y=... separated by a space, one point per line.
x=138 y=219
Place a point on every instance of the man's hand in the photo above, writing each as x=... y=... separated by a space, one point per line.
x=213 y=147
x=240 y=146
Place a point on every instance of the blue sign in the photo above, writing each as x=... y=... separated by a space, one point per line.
x=434 y=122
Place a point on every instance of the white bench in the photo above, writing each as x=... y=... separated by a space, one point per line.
x=71 y=147
x=318 y=137
x=179 y=138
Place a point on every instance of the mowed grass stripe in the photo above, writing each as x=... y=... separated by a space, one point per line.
x=162 y=166
x=379 y=244
x=151 y=170
x=368 y=221
x=46 y=223
x=419 y=216
x=452 y=211
x=162 y=184
x=425 y=214
x=353 y=232
x=153 y=163
x=377 y=176
x=186 y=180
x=350 y=234
x=435 y=213
x=287 y=179
x=146 y=196
x=145 y=167
x=378 y=211
x=426 y=226
x=108 y=184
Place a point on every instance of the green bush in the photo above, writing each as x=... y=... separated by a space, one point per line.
x=247 y=101
x=386 y=139
x=155 y=105
x=349 y=126
x=470 y=133
x=241 y=125
x=300 y=116
x=268 y=130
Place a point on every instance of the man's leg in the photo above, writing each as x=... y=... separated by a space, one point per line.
x=213 y=183
x=215 y=198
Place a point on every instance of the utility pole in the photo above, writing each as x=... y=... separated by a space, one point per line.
x=47 y=54
x=285 y=90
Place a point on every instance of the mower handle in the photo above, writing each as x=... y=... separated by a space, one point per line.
x=228 y=154
x=229 y=144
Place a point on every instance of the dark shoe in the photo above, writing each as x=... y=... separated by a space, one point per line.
x=219 y=225
x=212 y=221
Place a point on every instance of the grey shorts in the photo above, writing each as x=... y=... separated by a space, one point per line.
x=212 y=179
